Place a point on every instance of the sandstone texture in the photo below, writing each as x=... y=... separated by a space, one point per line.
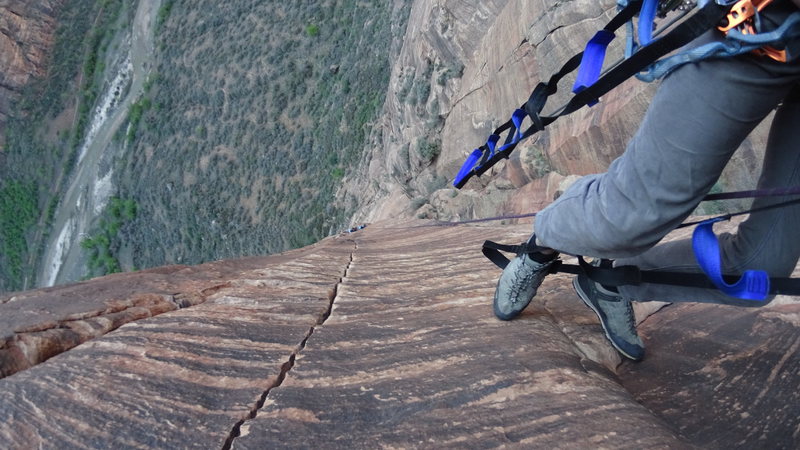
x=182 y=378
x=385 y=338
x=26 y=37
x=712 y=364
x=464 y=67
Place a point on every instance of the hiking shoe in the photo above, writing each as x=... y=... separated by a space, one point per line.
x=520 y=279
x=616 y=316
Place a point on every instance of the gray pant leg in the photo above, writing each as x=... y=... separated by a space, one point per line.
x=765 y=241
x=698 y=118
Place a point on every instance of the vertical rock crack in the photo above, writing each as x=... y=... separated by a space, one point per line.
x=289 y=364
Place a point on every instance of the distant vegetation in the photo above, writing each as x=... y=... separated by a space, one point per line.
x=45 y=132
x=252 y=116
x=104 y=245
x=163 y=13
x=257 y=112
x=18 y=213
x=135 y=113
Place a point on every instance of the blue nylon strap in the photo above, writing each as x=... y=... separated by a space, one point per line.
x=480 y=156
x=476 y=159
x=592 y=61
x=515 y=132
x=466 y=168
x=488 y=150
x=647 y=16
x=754 y=284
x=518 y=116
x=492 y=144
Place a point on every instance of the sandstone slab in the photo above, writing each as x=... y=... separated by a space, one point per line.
x=38 y=324
x=184 y=378
x=413 y=357
x=385 y=338
x=710 y=365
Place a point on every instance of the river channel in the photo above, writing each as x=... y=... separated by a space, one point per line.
x=89 y=188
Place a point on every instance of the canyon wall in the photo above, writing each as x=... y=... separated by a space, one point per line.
x=464 y=67
x=27 y=31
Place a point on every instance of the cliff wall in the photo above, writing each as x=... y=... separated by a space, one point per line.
x=464 y=68
x=27 y=30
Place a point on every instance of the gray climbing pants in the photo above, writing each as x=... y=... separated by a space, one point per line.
x=697 y=119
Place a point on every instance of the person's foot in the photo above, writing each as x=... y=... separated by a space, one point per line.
x=520 y=280
x=616 y=316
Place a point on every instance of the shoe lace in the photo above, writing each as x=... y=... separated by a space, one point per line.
x=630 y=317
x=518 y=283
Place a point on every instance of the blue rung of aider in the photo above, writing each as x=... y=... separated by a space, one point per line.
x=517 y=118
x=467 y=167
x=647 y=16
x=592 y=61
x=753 y=285
x=482 y=158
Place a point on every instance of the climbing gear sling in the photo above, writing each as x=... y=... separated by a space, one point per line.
x=752 y=285
x=643 y=60
x=739 y=20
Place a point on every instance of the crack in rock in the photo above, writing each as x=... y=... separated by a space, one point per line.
x=566 y=25
x=287 y=366
x=28 y=347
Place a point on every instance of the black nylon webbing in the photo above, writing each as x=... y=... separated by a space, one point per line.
x=632 y=275
x=700 y=22
x=705 y=19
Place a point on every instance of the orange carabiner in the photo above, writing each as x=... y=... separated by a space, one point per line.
x=772 y=52
x=741 y=17
x=743 y=11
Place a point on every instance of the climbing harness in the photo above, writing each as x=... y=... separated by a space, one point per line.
x=740 y=21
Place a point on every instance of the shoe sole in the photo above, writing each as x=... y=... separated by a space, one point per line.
x=502 y=316
x=587 y=302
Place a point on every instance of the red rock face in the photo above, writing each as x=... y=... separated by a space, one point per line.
x=26 y=38
x=385 y=338
x=232 y=331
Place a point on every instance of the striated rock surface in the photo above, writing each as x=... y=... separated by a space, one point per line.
x=385 y=338
x=464 y=67
x=36 y=325
x=182 y=378
x=26 y=37
x=713 y=364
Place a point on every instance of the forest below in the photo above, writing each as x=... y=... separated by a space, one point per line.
x=252 y=114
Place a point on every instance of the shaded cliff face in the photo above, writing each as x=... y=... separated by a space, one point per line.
x=26 y=37
x=385 y=338
x=464 y=68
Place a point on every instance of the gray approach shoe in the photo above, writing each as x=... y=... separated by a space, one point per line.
x=518 y=284
x=616 y=316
